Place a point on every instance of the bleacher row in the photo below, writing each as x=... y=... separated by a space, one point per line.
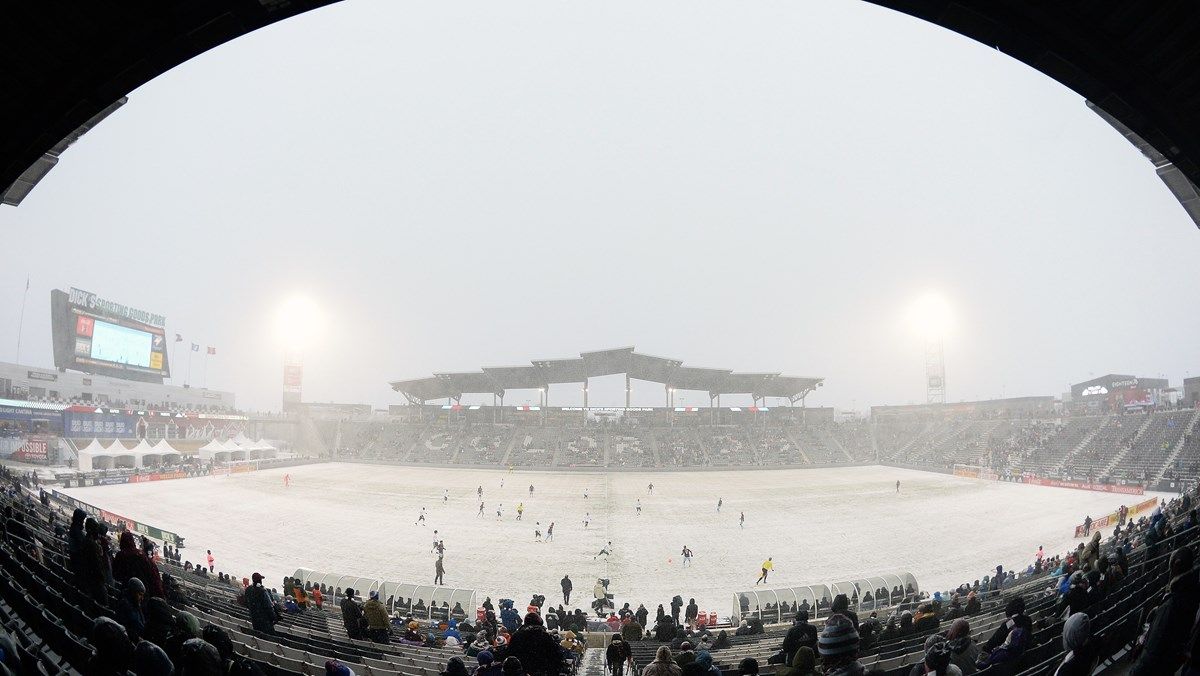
x=1116 y=620
x=51 y=620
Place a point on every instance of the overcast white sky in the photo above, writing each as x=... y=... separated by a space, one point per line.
x=762 y=187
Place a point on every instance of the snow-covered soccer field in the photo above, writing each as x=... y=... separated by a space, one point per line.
x=819 y=525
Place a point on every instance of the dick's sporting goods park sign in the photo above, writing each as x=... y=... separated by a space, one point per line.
x=104 y=306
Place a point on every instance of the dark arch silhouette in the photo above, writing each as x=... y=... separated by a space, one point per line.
x=67 y=64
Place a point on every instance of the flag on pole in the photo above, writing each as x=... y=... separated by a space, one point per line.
x=178 y=338
x=212 y=350
x=195 y=347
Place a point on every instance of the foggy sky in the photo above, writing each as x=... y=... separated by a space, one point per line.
x=762 y=187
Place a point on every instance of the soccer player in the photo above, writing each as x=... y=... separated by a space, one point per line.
x=742 y=520
x=445 y=496
x=287 y=480
x=520 y=510
x=480 y=509
x=687 y=556
x=606 y=551
x=550 y=532
x=537 y=532
x=586 y=519
x=498 y=511
x=720 y=501
x=531 y=490
x=639 y=507
x=479 y=491
x=650 y=489
x=897 y=485
x=420 y=518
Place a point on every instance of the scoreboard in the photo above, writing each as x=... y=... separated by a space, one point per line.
x=95 y=335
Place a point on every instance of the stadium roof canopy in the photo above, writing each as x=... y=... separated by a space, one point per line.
x=542 y=373
x=69 y=64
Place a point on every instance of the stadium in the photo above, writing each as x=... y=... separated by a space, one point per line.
x=597 y=513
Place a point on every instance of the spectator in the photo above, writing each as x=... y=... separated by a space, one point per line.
x=199 y=658
x=263 y=612
x=685 y=656
x=352 y=616
x=925 y=619
x=690 y=613
x=1015 y=612
x=937 y=660
x=150 y=660
x=838 y=645
x=1082 y=654
x=114 y=651
x=963 y=651
x=513 y=667
x=537 y=651
x=93 y=564
x=1166 y=641
x=617 y=656
x=800 y=634
x=703 y=666
x=803 y=663
x=748 y=667
x=378 y=621
x=454 y=666
x=1008 y=652
x=129 y=609
x=841 y=606
x=487 y=664
x=662 y=665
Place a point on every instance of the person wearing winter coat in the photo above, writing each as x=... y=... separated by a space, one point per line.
x=690 y=613
x=685 y=656
x=803 y=663
x=377 y=618
x=800 y=634
x=488 y=666
x=535 y=647
x=676 y=605
x=838 y=645
x=509 y=618
x=352 y=616
x=94 y=570
x=1091 y=553
x=129 y=609
x=662 y=665
x=130 y=561
x=1082 y=652
x=618 y=656
x=704 y=661
x=567 y=586
x=1015 y=612
x=1008 y=652
x=937 y=660
x=841 y=606
x=263 y=613
x=641 y=615
x=1171 y=622
x=1075 y=600
x=963 y=651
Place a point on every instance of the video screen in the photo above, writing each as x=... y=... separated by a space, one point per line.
x=97 y=336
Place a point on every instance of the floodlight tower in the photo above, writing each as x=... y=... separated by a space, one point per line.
x=931 y=319
x=935 y=371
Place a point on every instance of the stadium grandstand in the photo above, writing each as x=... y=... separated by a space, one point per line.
x=86 y=590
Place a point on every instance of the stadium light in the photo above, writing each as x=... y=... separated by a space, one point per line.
x=299 y=323
x=930 y=316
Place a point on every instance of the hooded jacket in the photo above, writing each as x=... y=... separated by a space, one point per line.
x=803 y=663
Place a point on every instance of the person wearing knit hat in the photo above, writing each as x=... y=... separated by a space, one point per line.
x=1081 y=657
x=455 y=667
x=838 y=646
x=336 y=668
x=937 y=661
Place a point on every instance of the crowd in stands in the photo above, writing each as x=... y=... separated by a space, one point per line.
x=1134 y=447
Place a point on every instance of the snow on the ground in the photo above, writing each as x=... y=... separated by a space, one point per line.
x=819 y=525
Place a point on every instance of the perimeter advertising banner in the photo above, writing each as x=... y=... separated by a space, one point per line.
x=135 y=526
x=1109 y=520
